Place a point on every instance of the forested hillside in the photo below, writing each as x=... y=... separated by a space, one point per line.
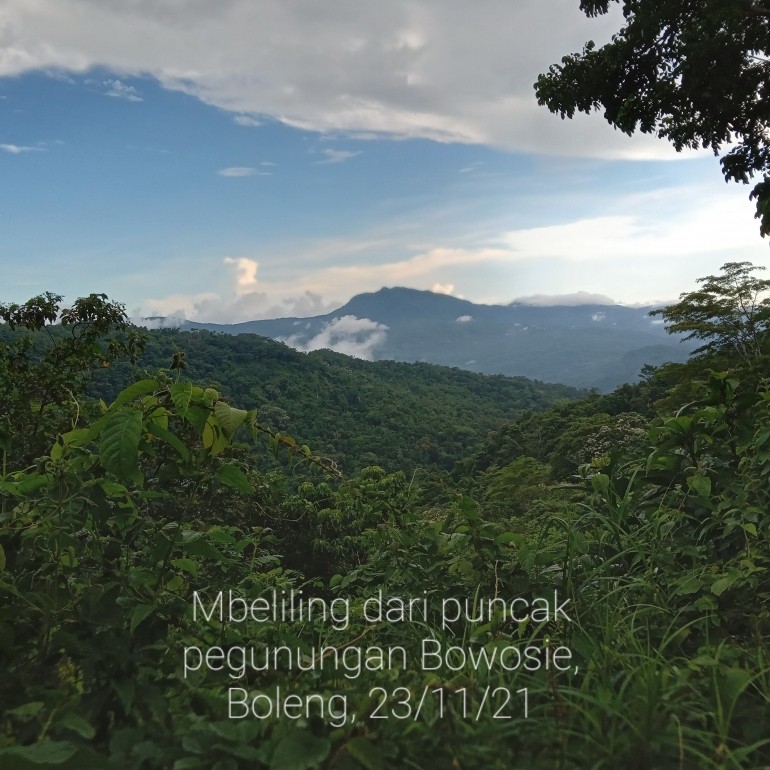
x=396 y=415
x=645 y=510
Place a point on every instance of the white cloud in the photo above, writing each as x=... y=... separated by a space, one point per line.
x=443 y=288
x=175 y=305
x=575 y=298
x=337 y=156
x=246 y=120
x=160 y=322
x=448 y=70
x=349 y=335
x=243 y=171
x=246 y=281
x=463 y=319
x=120 y=90
x=16 y=149
x=671 y=222
x=680 y=233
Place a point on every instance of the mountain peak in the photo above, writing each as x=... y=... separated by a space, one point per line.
x=399 y=303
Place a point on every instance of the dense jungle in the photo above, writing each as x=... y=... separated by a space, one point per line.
x=139 y=467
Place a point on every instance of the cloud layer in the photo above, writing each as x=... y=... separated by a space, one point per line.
x=572 y=299
x=679 y=232
x=448 y=70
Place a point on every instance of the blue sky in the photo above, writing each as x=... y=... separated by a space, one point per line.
x=186 y=186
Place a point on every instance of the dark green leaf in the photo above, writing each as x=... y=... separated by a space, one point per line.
x=78 y=724
x=181 y=393
x=229 y=418
x=141 y=611
x=141 y=388
x=236 y=478
x=171 y=440
x=42 y=752
x=118 y=448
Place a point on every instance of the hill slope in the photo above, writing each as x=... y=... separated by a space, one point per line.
x=397 y=415
x=587 y=346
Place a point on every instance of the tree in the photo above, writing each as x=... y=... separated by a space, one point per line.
x=47 y=354
x=728 y=312
x=695 y=72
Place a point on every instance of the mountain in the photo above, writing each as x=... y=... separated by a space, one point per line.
x=586 y=346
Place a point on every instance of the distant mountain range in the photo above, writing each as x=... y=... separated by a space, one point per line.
x=594 y=346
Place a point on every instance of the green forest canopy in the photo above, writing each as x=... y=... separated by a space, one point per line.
x=647 y=508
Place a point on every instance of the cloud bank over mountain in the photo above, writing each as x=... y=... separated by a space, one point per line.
x=357 y=337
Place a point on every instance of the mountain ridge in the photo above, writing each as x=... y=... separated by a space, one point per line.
x=586 y=346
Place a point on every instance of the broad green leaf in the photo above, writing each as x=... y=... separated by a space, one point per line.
x=509 y=537
x=81 y=726
x=188 y=763
x=750 y=528
x=27 y=485
x=251 y=421
x=335 y=580
x=209 y=434
x=119 y=444
x=141 y=388
x=219 y=445
x=96 y=428
x=171 y=440
x=203 y=550
x=365 y=752
x=689 y=585
x=229 y=418
x=299 y=750
x=198 y=416
x=214 y=438
x=28 y=710
x=111 y=489
x=235 y=477
x=141 y=611
x=721 y=585
x=701 y=485
x=42 y=752
x=181 y=393
x=159 y=419
x=79 y=437
x=75 y=438
x=734 y=681
x=188 y=565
